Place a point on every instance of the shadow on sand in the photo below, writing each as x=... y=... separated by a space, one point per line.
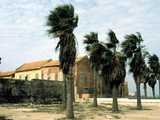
x=4 y=118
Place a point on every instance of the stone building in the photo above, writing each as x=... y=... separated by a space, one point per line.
x=30 y=70
x=9 y=74
x=49 y=70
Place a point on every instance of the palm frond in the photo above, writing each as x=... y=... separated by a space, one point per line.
x=61 y=23
x=154 y=63
x=62 y=19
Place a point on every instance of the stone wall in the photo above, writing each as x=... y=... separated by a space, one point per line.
x=39 y=91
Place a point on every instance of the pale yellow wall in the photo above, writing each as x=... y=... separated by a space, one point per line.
x=52 y=73
x=50 y=76
x=60 y=76
x=7 y=77
x=31 y=74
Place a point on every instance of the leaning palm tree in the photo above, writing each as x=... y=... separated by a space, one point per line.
x=152 y=83
x=132 y=48
x=117 y=68
x=105 y=58
x=117 y=78
x=94 y=48
x=146 y=77
x=61 y=22
x=146 y=73
x=154 y=67
x=158 y=77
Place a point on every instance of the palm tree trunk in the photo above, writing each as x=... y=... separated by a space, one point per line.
x=101 y=86
x=108 y=87
x=104 y=86
x=95 y=90
x=153 y=91
x=159 y=87
x=73 y=95
x=64 y=91
x=145 y=90
x=69 y=106
x=139 y=104
x=115 y=102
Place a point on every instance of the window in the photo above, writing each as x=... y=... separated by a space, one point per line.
x=60 y=76
x=20 y=77
x=36 y=76
x=52 y=75
x=82 y=78
x=48 y=78
x=42 y=75
x=56 y=76
x=26 y=77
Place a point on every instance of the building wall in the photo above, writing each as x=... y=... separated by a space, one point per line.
x=7 y=76
x=83 y=76
x=33 y=74
x=52 y=73
x=124 y=90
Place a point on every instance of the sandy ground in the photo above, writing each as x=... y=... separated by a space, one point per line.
x=83 y=111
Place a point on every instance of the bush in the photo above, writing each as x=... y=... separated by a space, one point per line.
x=45 y=91
x=37 y=91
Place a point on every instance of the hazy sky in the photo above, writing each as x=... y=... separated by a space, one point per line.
x=23 y=28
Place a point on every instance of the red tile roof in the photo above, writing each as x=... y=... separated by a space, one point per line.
x=32 y=65
x=51 y=63
x=6 y=74
x=43 y=63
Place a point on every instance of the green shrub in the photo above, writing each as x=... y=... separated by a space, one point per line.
x=37 y=91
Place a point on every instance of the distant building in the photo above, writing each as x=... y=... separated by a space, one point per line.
x=30 y=70
x=49 y=70
x=9 y=74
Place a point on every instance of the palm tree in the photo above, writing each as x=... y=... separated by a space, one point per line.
x=152 y=83
x=132 y=48
x=94 y=48
x=112 y=66
x=154 y=67
x=117 y=68
x=146 y=72
x=105 y=58
x=158 y=77
x=146 y=77
x=61 y=22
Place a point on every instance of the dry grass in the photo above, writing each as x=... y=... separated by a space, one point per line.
x=83 y=111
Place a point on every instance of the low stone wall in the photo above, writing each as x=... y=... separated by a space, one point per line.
x=38 y=91
x=125 y=100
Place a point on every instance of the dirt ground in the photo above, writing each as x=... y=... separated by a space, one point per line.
x=83 y=111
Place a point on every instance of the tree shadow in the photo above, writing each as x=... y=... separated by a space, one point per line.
x=144 y=108
x=4 y=118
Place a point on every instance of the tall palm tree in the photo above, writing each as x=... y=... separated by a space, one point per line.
x=132 y=48
x=61 y=22
x=106 y=64
x=117 y=68
x=146 y=77
x=105 y=58
x=152 y=83
x=94 y=48
x=158 y=77
x=146 y=72
x=154 y=67
x=117 y=78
